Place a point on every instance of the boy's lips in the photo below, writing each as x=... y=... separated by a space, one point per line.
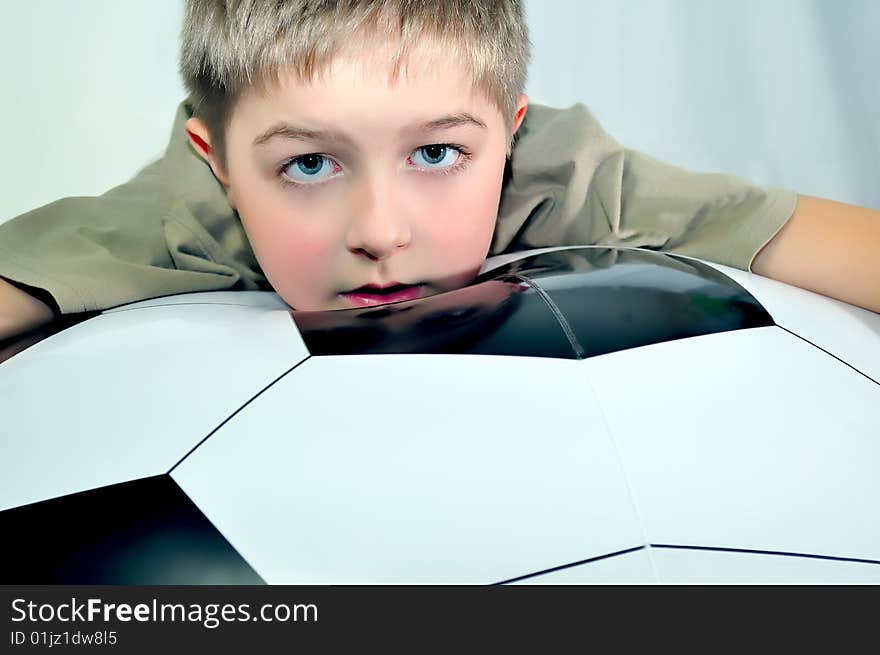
x=374 y=294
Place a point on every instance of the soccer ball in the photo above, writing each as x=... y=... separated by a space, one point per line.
x=576 y=415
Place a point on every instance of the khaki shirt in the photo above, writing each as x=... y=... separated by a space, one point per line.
x=170 y=229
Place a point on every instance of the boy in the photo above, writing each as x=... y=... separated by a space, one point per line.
x=354 y=153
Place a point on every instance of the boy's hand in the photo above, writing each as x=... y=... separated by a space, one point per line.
x=20 y=311
x=828 y=247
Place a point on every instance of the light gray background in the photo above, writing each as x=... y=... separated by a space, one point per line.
x=782 y=92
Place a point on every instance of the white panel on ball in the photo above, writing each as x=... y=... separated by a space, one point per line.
x=415 y=469
x=846 y=331
x=258 y=299
x=747 y=439
x=686 y=566
x=126 y=395
x=633 y=568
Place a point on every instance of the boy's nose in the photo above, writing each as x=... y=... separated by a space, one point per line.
x=379 y=226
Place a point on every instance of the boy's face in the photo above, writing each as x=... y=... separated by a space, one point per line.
x=359 y=180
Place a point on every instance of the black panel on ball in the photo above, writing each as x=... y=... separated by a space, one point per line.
x=570 y=304
x=498 y=316
x=144 y=532
x=613 y=300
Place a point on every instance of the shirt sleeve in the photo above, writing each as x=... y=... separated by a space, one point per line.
x=717 y=217
x=168 y=230
x=570 y=183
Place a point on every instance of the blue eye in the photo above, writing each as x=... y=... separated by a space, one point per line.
x=435 y=156
x=309 y=168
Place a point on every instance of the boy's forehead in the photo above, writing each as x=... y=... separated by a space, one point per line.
x=360 y=80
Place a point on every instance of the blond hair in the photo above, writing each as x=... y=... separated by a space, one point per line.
x=228 y=47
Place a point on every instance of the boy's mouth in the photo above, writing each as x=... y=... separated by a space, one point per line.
x=373 y=294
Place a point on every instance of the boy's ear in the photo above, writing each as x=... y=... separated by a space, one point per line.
x=522 y=104
x=200 y=139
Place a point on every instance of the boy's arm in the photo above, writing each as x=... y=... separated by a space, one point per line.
x=828 y=247
x=20 y=311
x=168 y=230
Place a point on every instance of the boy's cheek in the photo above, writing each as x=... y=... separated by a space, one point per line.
x=299 y=274
x=274 y=224
x=455 y=252
x=288 y=249
x=470 y=220
x=299 y=253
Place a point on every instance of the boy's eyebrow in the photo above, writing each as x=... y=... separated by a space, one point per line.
x=288 y=131
x=452 y=120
